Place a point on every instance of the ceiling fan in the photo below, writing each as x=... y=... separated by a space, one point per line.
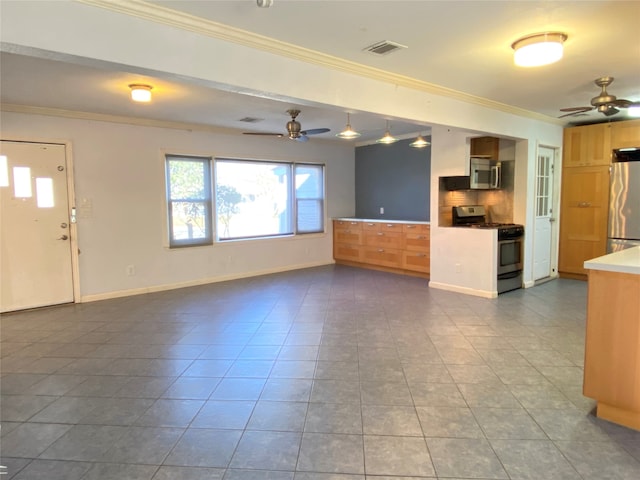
x=603 y=103
x=294 y=129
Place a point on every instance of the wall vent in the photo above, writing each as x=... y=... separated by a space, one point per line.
x=383 y=48
x=251 y=119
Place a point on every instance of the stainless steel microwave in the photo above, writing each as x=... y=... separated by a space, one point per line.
x=485 y=174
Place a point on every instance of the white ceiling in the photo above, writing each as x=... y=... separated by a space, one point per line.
x=461 y=45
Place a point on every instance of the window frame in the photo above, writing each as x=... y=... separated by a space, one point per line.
x=206 y=200
x=293 y=200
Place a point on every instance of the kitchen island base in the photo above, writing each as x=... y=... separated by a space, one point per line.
x=612 y=345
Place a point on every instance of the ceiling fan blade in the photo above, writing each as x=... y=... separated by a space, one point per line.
x=264 y=133
x=301 y=138
x=315 y=131
x=576 y=109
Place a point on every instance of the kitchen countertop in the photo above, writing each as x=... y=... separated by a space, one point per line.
x=624 y=261
x=380 y=220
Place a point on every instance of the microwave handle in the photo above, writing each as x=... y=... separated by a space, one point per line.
x=495 y=176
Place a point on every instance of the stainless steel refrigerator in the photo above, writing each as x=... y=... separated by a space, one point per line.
x=624 y=200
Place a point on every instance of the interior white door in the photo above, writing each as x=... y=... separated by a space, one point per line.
x=35 y=249
x=543 y=206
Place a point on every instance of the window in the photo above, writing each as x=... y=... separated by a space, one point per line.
x=309 y=198
x=189 y=200
x=261 y=199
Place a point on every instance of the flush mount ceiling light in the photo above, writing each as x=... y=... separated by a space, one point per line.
x=140 y=93
x=539 y=49
x=387 y=138
x=348 y=133
x=264 y=3
x=419 y=142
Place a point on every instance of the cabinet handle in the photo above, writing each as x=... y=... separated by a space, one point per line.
x=421 y=237
x=370 y=224
x=584 y=204
x=390 y=225
x=381 y=250
x=421 y=255
x=354 y=223
x=380 y=233
x=411 y=226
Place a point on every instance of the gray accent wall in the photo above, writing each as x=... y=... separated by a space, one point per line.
x=396 y=177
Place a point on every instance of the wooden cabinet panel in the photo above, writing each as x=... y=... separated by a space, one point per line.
x=348 y=236
x=343 y=251
x=383 y=239
x=486 y=147
x=371 y=226
x=386 y=257
x=584 y=210
x=416 y=228
x=416 y=242
x=416 y=261
x=587 y=145
x=625 y=134
x=346 y=225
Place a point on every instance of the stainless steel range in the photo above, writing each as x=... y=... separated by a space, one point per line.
x=510 y=237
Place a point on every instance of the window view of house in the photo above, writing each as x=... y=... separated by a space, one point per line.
x=189 y=200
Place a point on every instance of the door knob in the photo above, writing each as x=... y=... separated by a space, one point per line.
x=63 y=225
x=63 y=237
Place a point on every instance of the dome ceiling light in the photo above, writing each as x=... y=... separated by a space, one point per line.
x=539 y=49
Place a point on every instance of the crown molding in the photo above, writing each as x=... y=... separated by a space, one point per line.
x=191 y=23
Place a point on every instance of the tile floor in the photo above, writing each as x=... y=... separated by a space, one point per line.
x=330 y=373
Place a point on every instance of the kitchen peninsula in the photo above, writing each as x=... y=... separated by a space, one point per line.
x=390 y=245
x=612 y=349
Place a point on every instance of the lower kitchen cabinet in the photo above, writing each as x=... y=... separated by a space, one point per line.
x=583 y=224
x=392 y=246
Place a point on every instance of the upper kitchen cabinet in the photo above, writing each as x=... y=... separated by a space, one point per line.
x=485 y=147
x=625 y=134
x=587 y=145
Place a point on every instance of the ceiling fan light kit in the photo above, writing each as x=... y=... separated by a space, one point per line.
x=348 y=133
x=419 y=142
x=140 y=93
x=538 y=49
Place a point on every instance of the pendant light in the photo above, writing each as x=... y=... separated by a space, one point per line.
x=348 y=133
x=419 y=142
x=539 y=49
x=387 y=138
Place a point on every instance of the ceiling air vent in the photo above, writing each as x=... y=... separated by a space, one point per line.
x=383 y=48
x=251 y=119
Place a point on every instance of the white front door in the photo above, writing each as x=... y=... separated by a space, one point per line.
x=542 y=235
x=35 y=248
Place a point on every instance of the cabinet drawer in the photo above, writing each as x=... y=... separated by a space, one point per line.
x=415 y=261
x=353 y=237
x=347 y=225
x=390 y=227
x=383 y=239
x=416 y=228
x=370 y=226
x=344 y=251
x=416 y=242
x=386 y=257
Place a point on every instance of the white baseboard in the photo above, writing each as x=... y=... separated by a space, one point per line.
x=193 y=283
x=465 y=290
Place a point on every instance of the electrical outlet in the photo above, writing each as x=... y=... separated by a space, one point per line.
x=131 y=270
x=381 y=210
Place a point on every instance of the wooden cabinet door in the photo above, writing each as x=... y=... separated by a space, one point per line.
x=385 y=257
x=587 y=145
x=415 y=261
x=625 y=134
x=584 y=210
x=485 y=147
x=383 y=239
